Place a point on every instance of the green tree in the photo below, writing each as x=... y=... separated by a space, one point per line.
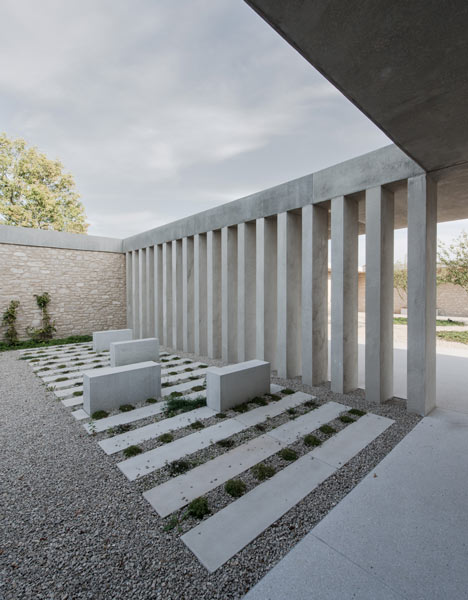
x=453 y=262
x=35 y=192
x=400 y=279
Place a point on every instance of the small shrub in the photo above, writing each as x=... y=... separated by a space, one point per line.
x=226 y=443
x=202 y=366
x=220 y=415
x=197 y=425
x=9 y=321
x=357 y=412
x=327 y=429
x=77 y=393
x=310 y=404
x=291 y=411
x=188 y=369
x=165 y=438
x=99 y=414
x=260 y=427
x=241 y=408
x=132 y=451
x=198 y=508
x=61 y=366
x=263 y=471
x=62 y=379
x=78 y=364
x=186 y=362
x=288 y=391
x=126 y=407
x=151 y=401
x=197 y=388
x=288 y=454
x=119 y=429
x=172 y=373
x=346 y=419
x=46 y=332
x=311 y=440
x=235 y=487
x=176 y=394
x=177 y=405
x=178 y=467
x=274 y=397
x=259 y=401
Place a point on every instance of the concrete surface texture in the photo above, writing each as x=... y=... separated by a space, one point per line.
x=110 y=387
x=400 y=534
x=133 y=351
x=103 y=339
x=230 y=386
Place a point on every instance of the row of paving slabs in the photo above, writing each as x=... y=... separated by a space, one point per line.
x=217 y=479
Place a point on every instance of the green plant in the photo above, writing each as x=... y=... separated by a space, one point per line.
x=99 y=414
x=259 y=401
x=56 y=342
x=310 y=404
x=357 y=412
x=454 y=336
x=226 y=443
x=235 y=487
x=241 y=408
x=198 y=508
x=288 y=391
x=176 y=394
x=180 y=405
x=177 y=467
x=9 y=321
x=119 y=429
x=173 y=522
x=172 y=373
x=132 y=451
x=61 y=366
x=77 y=393
x=197 y=425
x=62 y=379
x=126 y=407
x=220 y=415
x=263 y=471
x=46 y=332
x=151 y=401
x=288 y=454
x=346 y=419
x=291 y=411
x=260 y=427
x=197 y=388
x=188 y=369
x=311 y=440
x=186 y=362
x=165 y=438
x=327 y=429
x=274 y=397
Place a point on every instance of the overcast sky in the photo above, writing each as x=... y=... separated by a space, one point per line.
x=164 y=108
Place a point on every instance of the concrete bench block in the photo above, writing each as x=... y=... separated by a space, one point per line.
x=133 y=351
x=103 y=339
x=109 y=388
x=229 y=386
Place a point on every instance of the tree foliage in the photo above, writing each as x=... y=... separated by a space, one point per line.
x=453 y=261
x=400 y=279
x=35 y=192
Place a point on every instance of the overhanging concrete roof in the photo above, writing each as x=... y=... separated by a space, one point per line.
x=403 y=63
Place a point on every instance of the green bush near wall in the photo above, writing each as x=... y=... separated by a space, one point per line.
x=73 y=339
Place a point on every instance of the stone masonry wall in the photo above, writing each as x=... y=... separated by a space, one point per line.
x=87 y=288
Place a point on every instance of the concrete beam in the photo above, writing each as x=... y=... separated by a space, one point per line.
x=213 y=277
x=289 y=295
x=187 y=294
x=229 y=294
x=246 y=283
x=266 y=290
x=314 y=295
x=379 y=294
x=344 y=299
x=134 y=351
x=200 y=295
x=422 y=263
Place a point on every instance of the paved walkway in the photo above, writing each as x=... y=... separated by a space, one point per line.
x=402 y=533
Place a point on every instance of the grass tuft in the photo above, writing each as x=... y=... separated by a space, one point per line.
x=77 y=393
x=311 y=440
x=132 y=451
x=241 y=408
x=346 y=419
x=151 y=401
x=235 y=487
x=263 y=471
x=198 y=508
x=197 y=425
x=180 y=405
x=328 y=429
x=226 y=443
x=165 y=438
x=99 y=414
x=126 y=407
x=357 y=412
x=220 y=415
x=288 y=454
x=288 y=391
x=177 y=467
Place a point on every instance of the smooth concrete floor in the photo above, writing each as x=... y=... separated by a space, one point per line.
x=402 y=533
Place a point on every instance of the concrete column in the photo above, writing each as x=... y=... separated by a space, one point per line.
x=229 y=294
x=150 y=292
x=344 y=294
x=289 y=295
x=142 y=293
x=246 y=284
x=177 y=299
x=266 y=292
x=128 y=288
x=136 y=295
x=200 y=295
x=167 y=293
x=422 y=262
x=314 y=295
x=379 y=294
x=187 y=294
x=158 y=292
x=213 y=277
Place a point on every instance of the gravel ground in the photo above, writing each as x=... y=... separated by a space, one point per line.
x=72 y=527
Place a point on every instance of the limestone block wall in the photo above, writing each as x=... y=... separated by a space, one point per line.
x=87 y=288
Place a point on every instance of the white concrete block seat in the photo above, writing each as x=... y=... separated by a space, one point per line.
x=112 y=387
x=133 y=351
x=232 y=385
x=103 y=339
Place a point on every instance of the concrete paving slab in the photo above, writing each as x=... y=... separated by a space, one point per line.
x=69 y=393
x=73 y=401
x=150 y=461
x=126 y=417
x=80 y=414
x=153 y=430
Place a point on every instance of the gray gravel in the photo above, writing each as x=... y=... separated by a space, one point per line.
x=73 y=527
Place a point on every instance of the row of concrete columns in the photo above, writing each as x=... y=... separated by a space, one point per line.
x=260 y=290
